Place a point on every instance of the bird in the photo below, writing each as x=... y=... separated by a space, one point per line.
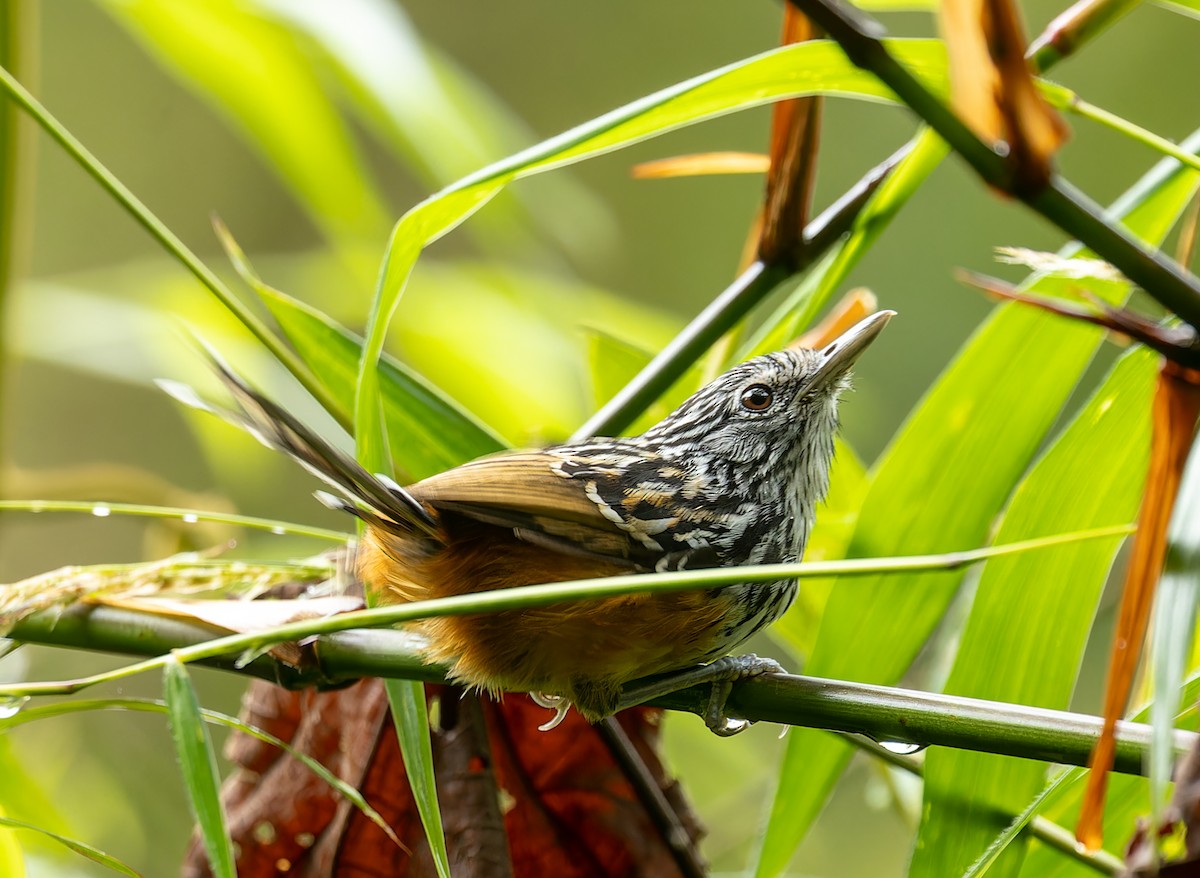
x=733 y=476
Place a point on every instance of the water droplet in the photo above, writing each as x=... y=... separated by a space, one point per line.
x=902 y=748
x=278 y=530
x=101 y=511
x=37 y=506
x=10 y=705
x=191 y=518
x=732 y=726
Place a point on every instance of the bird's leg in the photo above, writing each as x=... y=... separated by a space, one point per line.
x=721 y=675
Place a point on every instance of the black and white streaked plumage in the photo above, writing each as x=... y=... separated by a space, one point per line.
x=732 y=477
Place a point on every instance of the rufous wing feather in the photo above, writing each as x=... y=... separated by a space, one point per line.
x=522 y=490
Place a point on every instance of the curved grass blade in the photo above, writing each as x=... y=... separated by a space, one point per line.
x=1030 y=619
x=796 y=70
x=198 y=762
x=86 y=850
x=410 y=715
x=929 y=491
x=1059 y=801
x=213 y=717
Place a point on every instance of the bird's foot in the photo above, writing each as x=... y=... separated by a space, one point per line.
x=551 y=702
x=721 y=675
x=725 y=672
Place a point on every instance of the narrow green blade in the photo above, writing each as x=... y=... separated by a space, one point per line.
x=199 y=764
x=14 y=866
x=1031 y=616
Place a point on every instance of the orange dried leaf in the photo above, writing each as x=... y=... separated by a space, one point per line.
x=992 y=89
x=795 y=126
x=1176 y=408
x=702 y=164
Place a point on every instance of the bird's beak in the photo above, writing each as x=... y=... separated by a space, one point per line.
x=839 y=355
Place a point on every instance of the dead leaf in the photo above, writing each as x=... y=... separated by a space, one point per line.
x=565 y=808
x=1176 y=408
x=993 y=91
x=702 y=164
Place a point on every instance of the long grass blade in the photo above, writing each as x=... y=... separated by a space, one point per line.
x=198 y=762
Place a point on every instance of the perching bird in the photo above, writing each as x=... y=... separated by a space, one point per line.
x=733 y=476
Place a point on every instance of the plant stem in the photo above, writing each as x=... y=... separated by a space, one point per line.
x=1073 y=28
x=881 y=713
x=17 y=49
x=860 y=36
x=168 y=239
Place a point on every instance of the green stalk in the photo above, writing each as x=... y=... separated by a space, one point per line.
x=168 y=239
x=879 y=712
x=17 y=47
x=1073 y=28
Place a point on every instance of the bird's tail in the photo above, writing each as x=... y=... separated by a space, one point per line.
x=374 y=498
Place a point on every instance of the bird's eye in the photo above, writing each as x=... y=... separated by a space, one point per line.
x=757 y=398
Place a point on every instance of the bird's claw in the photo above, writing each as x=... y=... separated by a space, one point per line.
x=725 y=672
x=551 y=702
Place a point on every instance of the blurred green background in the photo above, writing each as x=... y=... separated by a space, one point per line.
x=501 y=313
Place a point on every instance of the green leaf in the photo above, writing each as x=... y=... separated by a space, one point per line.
x=1189 y=8
x=1125 y=804
x=22 y=796
x=930 y=493
x=1059 y=801
x=199 y=765
x=790 y=71
x=409 y=713
x=94 y=854
x=253 y=71
x=613 y=363
x=429 y=432
x=1031 y=616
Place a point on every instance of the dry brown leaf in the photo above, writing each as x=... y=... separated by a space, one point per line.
x=702 y=164
x=1176 y=408
x=993 y=91
x=552 y=803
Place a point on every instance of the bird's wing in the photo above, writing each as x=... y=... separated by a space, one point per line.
x=613 y=500
x=528 y=492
